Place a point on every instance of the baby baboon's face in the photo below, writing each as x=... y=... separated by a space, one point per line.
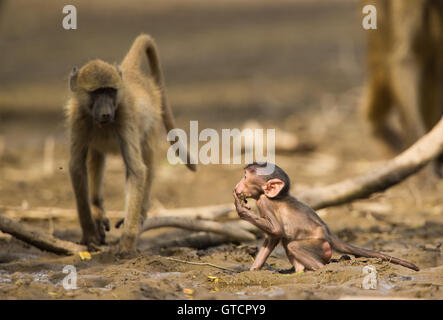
x=250 y=186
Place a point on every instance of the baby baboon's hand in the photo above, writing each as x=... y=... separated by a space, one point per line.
x=240 y=206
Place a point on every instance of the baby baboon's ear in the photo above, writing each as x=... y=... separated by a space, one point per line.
x=273 y=187
x=73 y=79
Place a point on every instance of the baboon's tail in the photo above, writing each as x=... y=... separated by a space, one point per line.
x=343 y=247
x=145 y=44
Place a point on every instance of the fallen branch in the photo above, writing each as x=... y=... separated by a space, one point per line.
x=196 y=240
x=393 y=172
x=37 y=238
x=205 y=264
x=207 y=212
x=46 y=213
x=231 y=232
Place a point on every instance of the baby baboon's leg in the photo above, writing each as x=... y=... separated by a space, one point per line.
x=264 y=252
x=310 y=254
x=136 y=179
x=96 y=168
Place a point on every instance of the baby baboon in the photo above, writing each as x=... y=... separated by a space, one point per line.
x=306 y=238
x=405 y=71
x=115 y=109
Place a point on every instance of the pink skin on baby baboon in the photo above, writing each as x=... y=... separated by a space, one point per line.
x=307 y=240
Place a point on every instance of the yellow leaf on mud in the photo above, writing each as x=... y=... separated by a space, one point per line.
x=84 y=255
x=213 y=278
x=188 y=291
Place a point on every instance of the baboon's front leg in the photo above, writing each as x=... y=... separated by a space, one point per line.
x=96 y=168
x=136 y=178
x=79 y=179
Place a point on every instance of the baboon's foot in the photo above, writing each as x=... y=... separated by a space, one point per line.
x=101 y=222
x=127 y=246
x=438 y=167
x=91 y=240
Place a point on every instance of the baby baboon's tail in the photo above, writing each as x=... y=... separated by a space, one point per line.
x=343 y=247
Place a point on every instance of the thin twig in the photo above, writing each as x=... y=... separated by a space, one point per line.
x=201 y=264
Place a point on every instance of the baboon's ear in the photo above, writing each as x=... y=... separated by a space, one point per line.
x=73 y=79
x=119 y=70
x=273 y=187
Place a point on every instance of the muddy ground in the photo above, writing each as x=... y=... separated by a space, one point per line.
x=293 y=65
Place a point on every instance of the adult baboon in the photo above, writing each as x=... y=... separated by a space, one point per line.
x=405 y=71
x=116 y=110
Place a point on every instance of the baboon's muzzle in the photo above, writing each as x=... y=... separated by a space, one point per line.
x=104 y=110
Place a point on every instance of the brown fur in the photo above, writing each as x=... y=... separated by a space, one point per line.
x=405 y=71
x=139 y=105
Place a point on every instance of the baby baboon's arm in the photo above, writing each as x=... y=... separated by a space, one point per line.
x=267 y=222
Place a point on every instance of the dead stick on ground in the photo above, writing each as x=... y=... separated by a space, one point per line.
x=234 y=233
x=197 y=240
x=204 y=264
x=207 y=212
x=380 y=179
x=37 y=238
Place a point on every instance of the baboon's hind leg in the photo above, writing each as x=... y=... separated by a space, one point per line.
x=377 y=106
x=309 y=254
x=148 y=159
x=96 y=168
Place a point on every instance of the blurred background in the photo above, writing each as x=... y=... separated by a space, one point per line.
x=306 y=68
x=298 y=66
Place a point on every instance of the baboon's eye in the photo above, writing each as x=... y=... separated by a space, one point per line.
x=111 y=92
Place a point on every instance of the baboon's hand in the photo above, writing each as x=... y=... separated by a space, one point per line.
x=102 y=223
x=92 y=241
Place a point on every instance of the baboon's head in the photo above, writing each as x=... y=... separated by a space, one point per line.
x=96 y=85
x=274 y=185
